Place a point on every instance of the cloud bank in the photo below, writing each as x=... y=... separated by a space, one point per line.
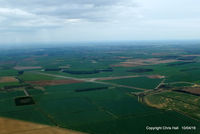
x=87 y=20
x=39 y=13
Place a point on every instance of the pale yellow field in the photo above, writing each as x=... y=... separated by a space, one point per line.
x=11 y=126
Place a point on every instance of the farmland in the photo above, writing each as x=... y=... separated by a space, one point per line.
x=100 y=89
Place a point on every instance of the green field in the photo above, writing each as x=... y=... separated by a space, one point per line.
x=8 y=84
x=139 y=82
x=31 y=76
x=106 y=111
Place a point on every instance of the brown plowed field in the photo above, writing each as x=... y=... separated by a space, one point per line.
x=142 y=62
x=8 y=79
x=53 y=82
x=195 y=90
x=27 y=67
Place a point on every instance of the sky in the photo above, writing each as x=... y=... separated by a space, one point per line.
x=40 y=21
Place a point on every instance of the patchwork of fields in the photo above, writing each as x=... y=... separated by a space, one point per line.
x=101 y=111
x=89 y=90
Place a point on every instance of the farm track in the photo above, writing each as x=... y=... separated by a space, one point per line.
x=162 y=82
x=26 y=93
x=89 y=80
x=47 y=116
x=113 y=78
x=101 y=108
x=180 y=82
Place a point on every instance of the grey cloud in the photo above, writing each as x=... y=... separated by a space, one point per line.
x=68 y=9
x=31 y=15
x=25 y=3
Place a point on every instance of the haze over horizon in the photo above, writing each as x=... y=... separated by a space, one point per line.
x=30 y=21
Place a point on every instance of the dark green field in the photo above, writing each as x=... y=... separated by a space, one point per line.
x=140 y=82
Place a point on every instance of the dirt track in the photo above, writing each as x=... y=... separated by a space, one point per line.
x=113 y=78
x=27 y=67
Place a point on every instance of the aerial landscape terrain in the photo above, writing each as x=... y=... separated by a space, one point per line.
x=99 y=67
x=109 y=88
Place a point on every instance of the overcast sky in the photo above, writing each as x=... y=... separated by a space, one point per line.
x=23 y=21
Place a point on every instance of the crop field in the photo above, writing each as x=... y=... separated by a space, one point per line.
x=139 y=82
x=52 y=82
x=89 y=111
x=191 y=90
x=7 y=72
x=100 y=89
x=29 y=76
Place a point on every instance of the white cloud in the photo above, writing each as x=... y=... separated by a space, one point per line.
x=15 y=11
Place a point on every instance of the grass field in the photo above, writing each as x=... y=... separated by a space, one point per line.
x=181 y=102
x=31 y=76
x=104 y=111
x=8 y=72
x=139 y=82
